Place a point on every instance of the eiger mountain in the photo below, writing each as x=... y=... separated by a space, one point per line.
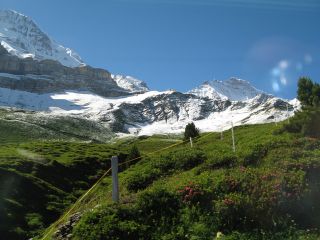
x=43 y=83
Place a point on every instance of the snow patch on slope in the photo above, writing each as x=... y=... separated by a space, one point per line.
x=296 y=103
x=21 y=37
x=68 y=102
x=129 y=83
x=94 y=107
x=220 y=121
x=233 y=89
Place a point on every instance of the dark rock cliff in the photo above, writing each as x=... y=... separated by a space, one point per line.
x=51 y=76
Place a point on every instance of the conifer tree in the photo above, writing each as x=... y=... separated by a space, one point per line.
x=308 y=92
x=191 y=131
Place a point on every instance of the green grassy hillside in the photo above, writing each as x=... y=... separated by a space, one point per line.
x=38 y=180
x=21 y=126
x=268 y=189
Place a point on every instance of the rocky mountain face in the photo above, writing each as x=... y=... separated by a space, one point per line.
x=21 y=37
x=169 y=112
x=43 y=87
x=150 y=112
x=31 y=61
x=46 y=76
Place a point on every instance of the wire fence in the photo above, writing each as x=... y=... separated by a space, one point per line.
x=86 y=194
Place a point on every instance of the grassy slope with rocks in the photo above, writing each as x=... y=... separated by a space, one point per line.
x=268 y=189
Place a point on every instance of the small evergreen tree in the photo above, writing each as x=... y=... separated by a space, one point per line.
x=191 y=131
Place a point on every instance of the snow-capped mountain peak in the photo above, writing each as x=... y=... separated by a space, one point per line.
x=234 y=89
x=131 y=84
x=117 y=103
x=21 y=37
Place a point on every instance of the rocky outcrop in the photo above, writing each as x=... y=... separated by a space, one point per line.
x=50 y=76
x=172 y=108
x=64 y=231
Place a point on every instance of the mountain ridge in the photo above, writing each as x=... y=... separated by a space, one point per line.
x=234 y=89
x=130 y=83
x=123 y=104
x=22 y=37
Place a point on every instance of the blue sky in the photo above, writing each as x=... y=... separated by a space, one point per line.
x=178 y=44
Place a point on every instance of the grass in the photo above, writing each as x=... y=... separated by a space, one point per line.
x=262 y=158
x=227 y=186
x=57 y=172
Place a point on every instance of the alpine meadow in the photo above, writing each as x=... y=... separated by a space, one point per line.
x=91 y=154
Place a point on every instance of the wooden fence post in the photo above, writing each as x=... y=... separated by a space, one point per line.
x=233 y=143
x=115 y=181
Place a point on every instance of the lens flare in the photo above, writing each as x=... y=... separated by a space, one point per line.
x=283 y=80
x=275 y=86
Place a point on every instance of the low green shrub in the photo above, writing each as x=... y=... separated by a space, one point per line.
x=187 y=159
x=152 y=217
x=164 y=165
x=305 y=122
x=255 y=156
x=221 y=161
x=141 y=179
x=114 y=223
x=196 y=223
x=158 y=206
x=179 y=160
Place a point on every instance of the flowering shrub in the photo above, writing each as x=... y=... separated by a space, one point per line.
x=191 y=193
x=231 y=210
